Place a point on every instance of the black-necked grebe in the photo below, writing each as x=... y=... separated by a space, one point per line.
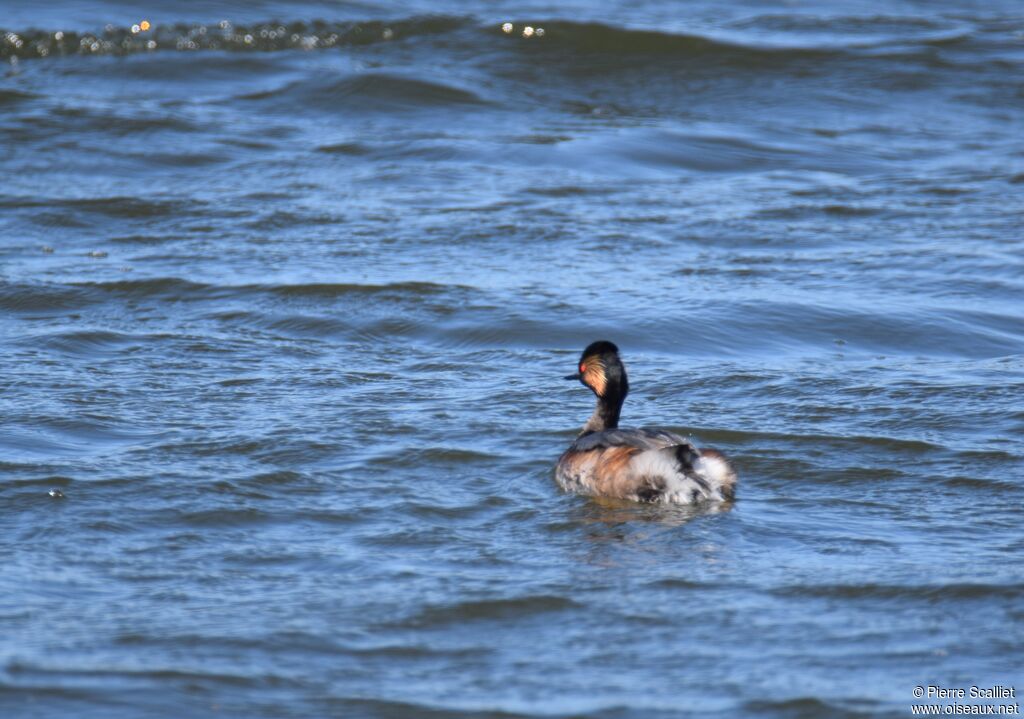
x=643 y=465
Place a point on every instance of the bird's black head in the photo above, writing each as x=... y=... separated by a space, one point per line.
x=601 y=369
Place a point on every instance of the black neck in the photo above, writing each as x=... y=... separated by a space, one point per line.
x=606 y=413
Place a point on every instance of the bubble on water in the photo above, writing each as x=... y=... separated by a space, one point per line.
x=527 y=31
x=507 y=28
x=144 y=26
x=151 y=45
x=58 y=35
x=248 y=39
x=98 y=254
x=539 y=32
x=388 y=33
x=56 y=494
x=135 y=29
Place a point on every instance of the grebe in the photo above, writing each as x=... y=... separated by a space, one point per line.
x=643 y=465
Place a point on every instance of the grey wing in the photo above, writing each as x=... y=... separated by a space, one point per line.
x=641 y=438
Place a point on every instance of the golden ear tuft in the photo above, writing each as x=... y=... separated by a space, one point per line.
x=592 y=371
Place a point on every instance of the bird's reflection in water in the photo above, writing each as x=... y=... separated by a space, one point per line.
x=654 y=529
x=604 y=510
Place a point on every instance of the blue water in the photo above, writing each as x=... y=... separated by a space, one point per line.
x=285 y=321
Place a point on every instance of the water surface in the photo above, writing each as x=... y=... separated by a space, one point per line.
x=285 y=320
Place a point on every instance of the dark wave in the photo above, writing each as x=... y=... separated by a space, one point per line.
x=375 y=90
x=936 y=592
x=30 y=297
x=224 y=516
x=115 y=207
x=225 y=36
x=33 y=298
x=9 y=98
x=167 y=288
x=177 y=288
x=114 y=122
x=489 y=609
x=757 y=38
x=596 y=37
x=435 y=455
x=92 y=343
x=16 y=668
x=53 y=481
x=801 y=708
x=421 y=289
